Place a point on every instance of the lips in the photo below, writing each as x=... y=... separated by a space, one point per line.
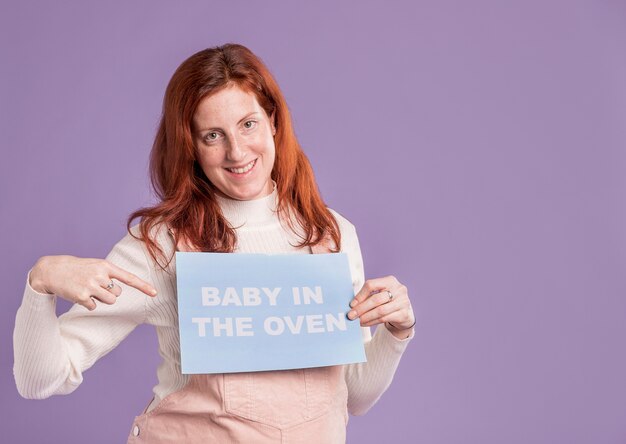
x=244 y=169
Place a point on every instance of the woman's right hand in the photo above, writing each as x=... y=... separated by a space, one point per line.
x=79 y=280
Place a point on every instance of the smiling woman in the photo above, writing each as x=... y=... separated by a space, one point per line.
x=236 y=154
x=223 y=110
x=232 y=178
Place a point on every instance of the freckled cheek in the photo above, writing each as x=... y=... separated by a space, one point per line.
x=263 y=146
x=211 y=160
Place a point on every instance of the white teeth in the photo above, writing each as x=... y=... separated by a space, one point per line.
x=244 y=169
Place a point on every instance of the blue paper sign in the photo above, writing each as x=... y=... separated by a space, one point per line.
x=253 y=312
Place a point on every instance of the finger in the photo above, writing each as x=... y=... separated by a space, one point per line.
x=396 y=318
x=399 y=291
x=103 y=295
x=368 y=304
x=380 y=311
x=373 y=286
x=115 y=290
x=132 y=280
x=393 y=313
x=88 y=302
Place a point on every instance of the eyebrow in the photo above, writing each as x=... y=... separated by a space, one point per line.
x=240 y=120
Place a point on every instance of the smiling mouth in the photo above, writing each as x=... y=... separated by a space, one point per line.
x=243 y=169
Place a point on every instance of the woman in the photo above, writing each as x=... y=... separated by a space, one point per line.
x=231 y=177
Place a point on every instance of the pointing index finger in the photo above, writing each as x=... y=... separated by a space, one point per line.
x=132 y=280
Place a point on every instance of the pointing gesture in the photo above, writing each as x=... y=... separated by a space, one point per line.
x=82 y=280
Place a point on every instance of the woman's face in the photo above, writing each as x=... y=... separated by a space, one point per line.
x=234 y=143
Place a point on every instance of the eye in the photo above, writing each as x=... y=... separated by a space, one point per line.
x=211 y=136
x=252 y=124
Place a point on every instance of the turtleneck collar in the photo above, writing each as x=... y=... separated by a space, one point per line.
x=250 y=212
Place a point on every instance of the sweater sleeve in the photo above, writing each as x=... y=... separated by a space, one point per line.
x=367 y=381
x=51 y=354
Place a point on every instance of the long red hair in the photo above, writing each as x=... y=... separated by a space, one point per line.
x=187 y=197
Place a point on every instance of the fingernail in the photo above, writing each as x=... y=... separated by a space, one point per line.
x=352 y=302
x=352 y=314
x=154 y=292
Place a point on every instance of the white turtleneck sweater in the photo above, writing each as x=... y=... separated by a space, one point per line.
x=52 y=353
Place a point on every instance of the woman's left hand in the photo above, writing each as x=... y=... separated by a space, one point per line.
x=384 y=300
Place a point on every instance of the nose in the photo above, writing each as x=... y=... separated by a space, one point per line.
x=236 y=150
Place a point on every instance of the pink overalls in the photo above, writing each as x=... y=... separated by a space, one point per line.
x=285 y=406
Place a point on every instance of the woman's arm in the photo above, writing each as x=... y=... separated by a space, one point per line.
x=52 y=353
x=367 y=381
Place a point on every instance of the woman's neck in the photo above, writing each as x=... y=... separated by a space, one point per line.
x=250 y=212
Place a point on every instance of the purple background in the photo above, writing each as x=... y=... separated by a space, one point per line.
x=479 y=148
